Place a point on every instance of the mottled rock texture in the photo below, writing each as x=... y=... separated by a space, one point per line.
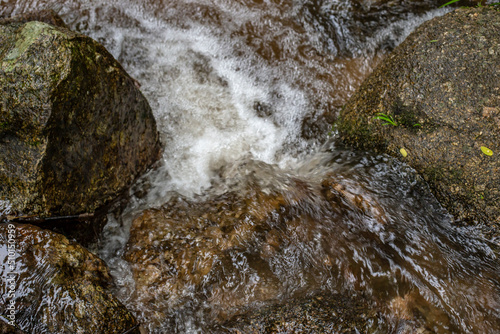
x=239 y=249
x=6 y=328
x=320 y=314
x=270 y=241
x=60 y=287
x=75 y=131
x=441 y=86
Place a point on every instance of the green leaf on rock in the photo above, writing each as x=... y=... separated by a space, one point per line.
x=448 y=3
x=486 y=150
x=387 y=118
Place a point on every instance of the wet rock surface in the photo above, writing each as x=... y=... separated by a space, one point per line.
x=320 y=314
x=441 y=87
x=251 y=256
x=47 y=16
x=75 y=131
x=190 y=247
x=227 y=251
x=362 y=17
x=59 y=286
x=6 y=328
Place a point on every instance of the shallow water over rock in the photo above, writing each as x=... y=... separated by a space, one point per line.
x=242 y=222
x=341 y=228
x=53 y=285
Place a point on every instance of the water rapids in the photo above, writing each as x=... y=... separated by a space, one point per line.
x=245 y=94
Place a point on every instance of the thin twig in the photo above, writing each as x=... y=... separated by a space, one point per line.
x=8 y=322
x=132 y=329
x=36 y=219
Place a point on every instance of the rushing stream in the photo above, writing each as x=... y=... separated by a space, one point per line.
x=245 y=93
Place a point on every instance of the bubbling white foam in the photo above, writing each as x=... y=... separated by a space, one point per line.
x=204 y=101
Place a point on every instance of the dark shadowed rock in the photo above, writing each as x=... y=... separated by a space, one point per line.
x=59 y=286
x=47 y=16
x=320 y=314
x=442 y=88
x=365 y=20
x=6 y=328
x=75 y=131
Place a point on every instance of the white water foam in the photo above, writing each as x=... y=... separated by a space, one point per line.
x=204 y=96
x=204 y=85
x=204 y=101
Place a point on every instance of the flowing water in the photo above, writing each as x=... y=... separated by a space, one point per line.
x=244 y=93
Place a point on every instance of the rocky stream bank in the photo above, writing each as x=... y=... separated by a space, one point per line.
x=76 y=132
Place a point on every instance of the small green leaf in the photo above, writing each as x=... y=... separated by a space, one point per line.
x=486 y=150
x=448 y=3
x=387 y=118
x=434 y=41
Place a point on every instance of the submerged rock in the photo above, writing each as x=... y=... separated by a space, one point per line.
x=320 y=314
x=75 y=131
x=58 y=286
x=6 y=328
x=188 y=247
x=234 y=259
x=229 y=252
x=441 y=88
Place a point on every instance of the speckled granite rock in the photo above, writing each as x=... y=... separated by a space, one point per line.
x=75 y=131
x=442 y=88
x=59 y=286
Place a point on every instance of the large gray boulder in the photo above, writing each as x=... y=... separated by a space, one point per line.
x=441 y=87
x=75 y=131
x=53 y=285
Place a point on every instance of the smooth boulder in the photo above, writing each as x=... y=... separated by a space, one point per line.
x=75 y=131
x=440 y=89
x=56 y=286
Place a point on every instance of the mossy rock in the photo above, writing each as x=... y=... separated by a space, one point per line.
x=60 y=287
x=442 y=88
x=75 y=131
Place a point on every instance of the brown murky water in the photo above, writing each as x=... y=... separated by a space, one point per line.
x=247 y=209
